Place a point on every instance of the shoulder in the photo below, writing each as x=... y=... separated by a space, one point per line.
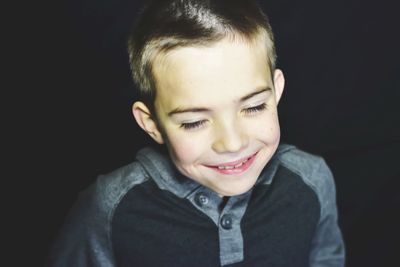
x=110 y=188
x=100 y=199
x=312 y=169
x=303 y=163
x=85 y=237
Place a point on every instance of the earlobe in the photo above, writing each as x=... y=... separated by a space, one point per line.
x=145 y=120
x=279 y=84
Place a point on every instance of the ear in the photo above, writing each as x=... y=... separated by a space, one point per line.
x=279 y=84
x=144 y=119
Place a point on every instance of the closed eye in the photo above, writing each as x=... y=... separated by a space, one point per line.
x=255 y=109
x=192 y=125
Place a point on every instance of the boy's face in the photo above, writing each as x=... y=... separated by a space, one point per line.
x=217 y=113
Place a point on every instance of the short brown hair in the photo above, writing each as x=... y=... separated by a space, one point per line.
x=167 y=24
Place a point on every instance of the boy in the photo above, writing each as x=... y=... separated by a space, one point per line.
x=225 y=193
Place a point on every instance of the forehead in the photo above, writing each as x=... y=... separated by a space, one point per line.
x=223 y=71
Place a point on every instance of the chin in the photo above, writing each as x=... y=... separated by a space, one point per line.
x=238 y=190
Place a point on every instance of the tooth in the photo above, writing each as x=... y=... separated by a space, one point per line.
x=225 y=167
x=240 y=164
x=232 y=167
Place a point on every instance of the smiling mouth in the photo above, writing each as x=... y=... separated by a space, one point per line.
x=230 y=167
x=238 y=165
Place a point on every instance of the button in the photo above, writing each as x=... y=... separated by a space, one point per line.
x=201 y=199
x=226 y=222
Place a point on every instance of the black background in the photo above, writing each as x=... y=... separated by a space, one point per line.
x=72 y=118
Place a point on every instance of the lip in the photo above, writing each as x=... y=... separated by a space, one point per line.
x=238 y=170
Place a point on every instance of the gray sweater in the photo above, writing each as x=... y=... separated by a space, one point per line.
x=148 y=214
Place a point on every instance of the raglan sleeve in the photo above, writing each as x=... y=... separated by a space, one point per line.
x=83 y=240
x=328 y=248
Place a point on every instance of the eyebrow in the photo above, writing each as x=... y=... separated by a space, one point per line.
x=200 y=109
x=255 y=93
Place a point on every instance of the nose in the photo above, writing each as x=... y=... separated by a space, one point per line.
x=229 y=138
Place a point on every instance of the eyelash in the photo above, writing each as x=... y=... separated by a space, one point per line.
x=255 y=109
x=192 y=125
x=198 y=124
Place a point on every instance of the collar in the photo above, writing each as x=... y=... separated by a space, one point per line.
x=161 y=169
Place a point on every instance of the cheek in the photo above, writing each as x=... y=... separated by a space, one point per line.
x=267 y=129
x=185 y=149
